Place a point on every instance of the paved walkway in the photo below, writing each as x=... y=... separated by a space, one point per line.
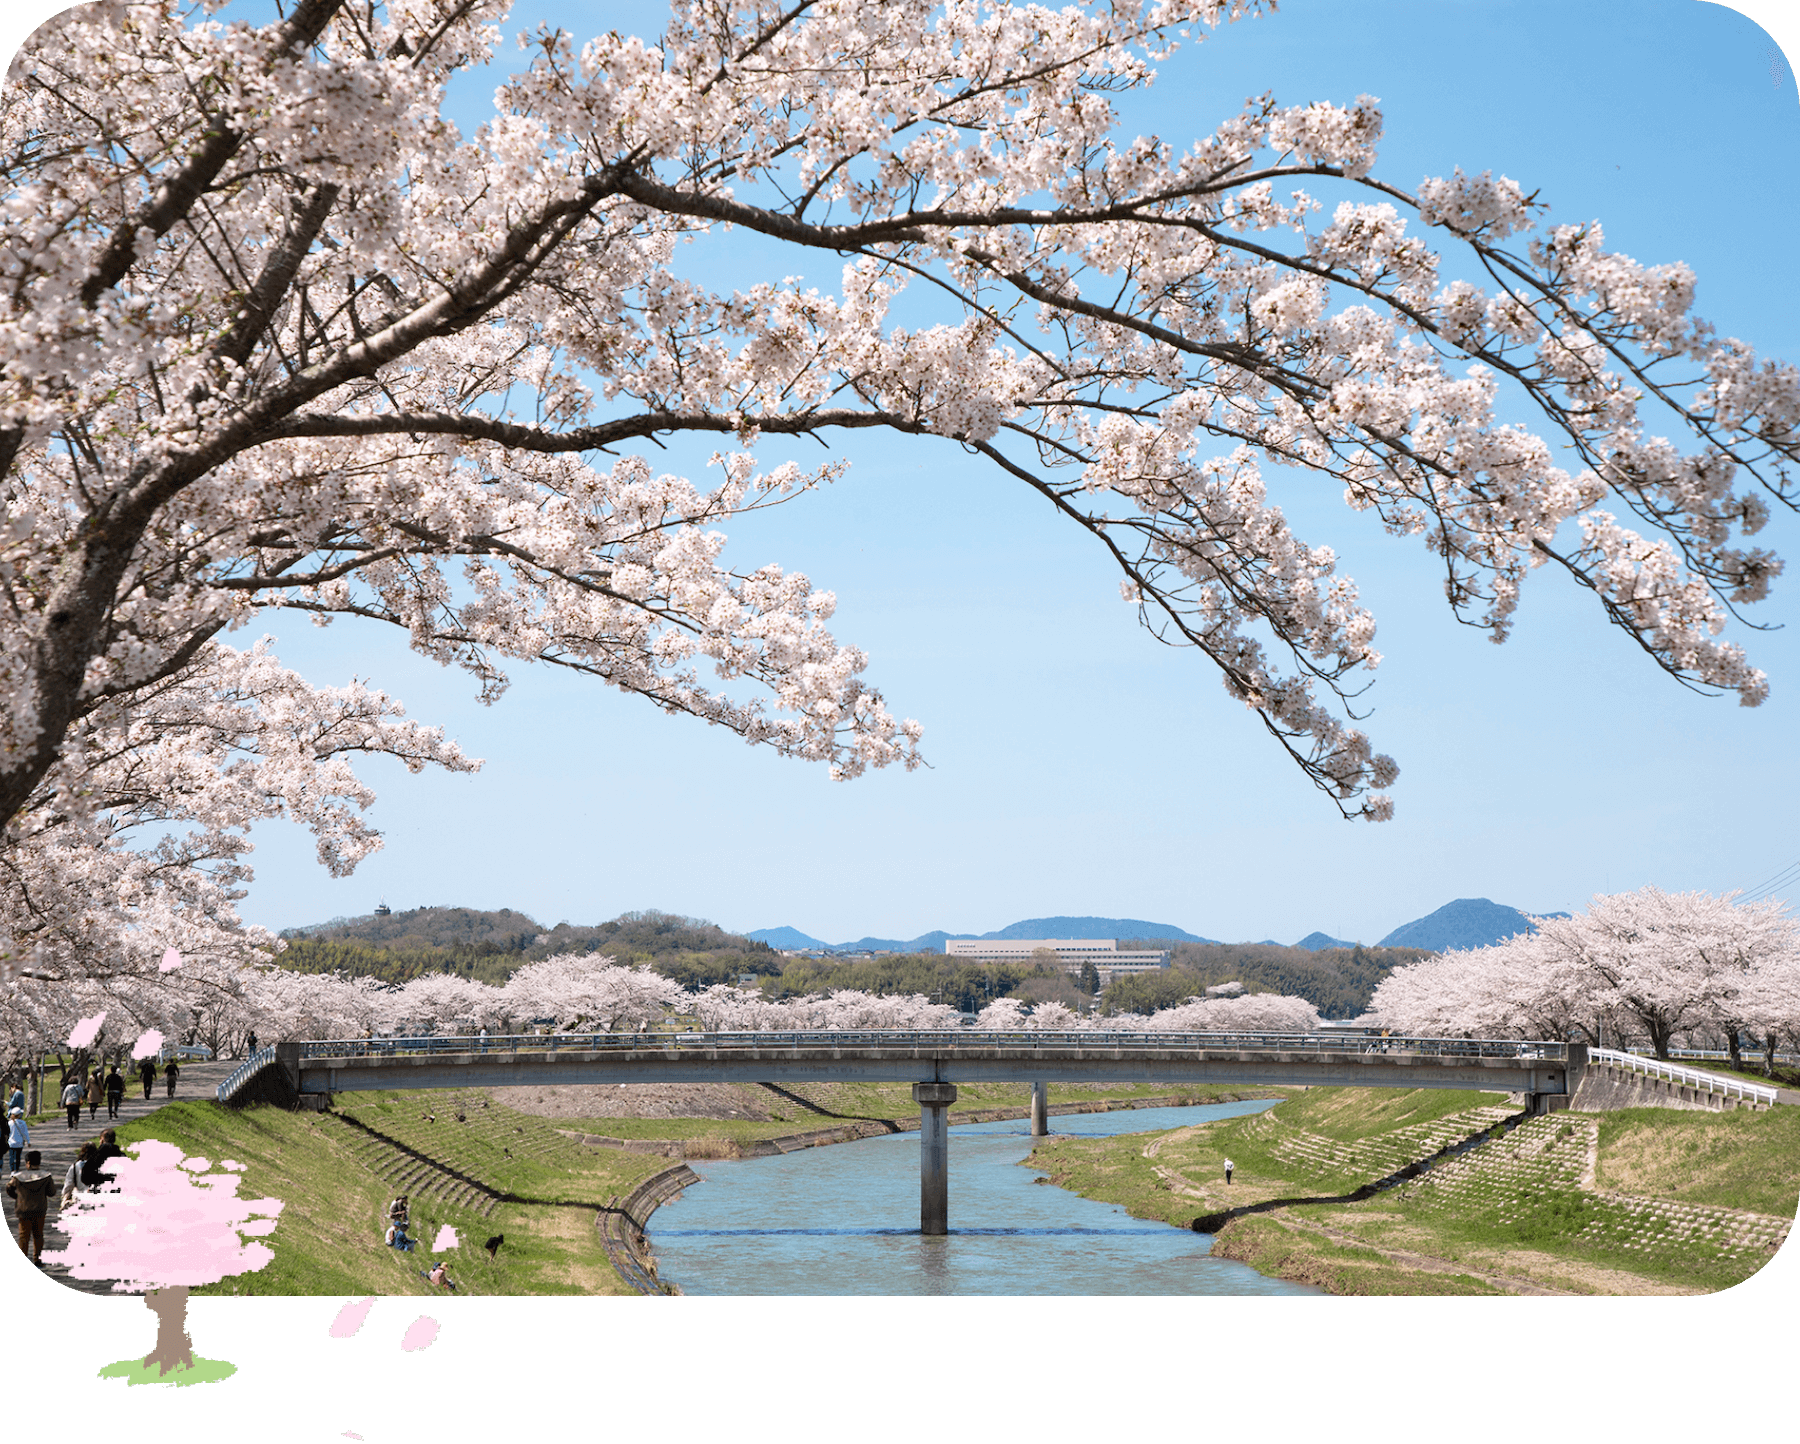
x=59 y=1144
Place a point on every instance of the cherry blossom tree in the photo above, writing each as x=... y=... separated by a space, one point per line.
x=166 y=1225
x=1251 y=1013
x=1650 y=964
x=275 y=334
x=132 y=850
x=585 y=991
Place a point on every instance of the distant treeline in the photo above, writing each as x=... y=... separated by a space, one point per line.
x=1336 y=981
x=490 y=946
x=965 y=985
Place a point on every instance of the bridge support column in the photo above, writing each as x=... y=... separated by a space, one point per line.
x=1040 y=1109
x=934 y=1100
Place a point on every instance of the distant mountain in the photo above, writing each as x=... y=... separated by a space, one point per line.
x=1469 y=922
x=1317 y=942
x=793 y=939
x=790 y=939
x=1092 y=928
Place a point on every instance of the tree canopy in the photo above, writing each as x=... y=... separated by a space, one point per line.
x=276 y=335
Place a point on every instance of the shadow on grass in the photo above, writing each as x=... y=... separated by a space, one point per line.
x=484 y=1189
x=1213 y=1222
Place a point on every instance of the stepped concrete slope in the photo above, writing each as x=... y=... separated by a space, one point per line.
x=1469 y=922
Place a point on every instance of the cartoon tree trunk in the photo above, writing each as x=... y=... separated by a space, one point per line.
x=174 y=1349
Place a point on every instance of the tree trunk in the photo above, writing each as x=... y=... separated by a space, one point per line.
x=1734 y=1045
x=174 y=1349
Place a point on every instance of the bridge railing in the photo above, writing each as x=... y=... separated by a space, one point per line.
x=1094 y=1040
x=1686 y=1077
x=244 y=1072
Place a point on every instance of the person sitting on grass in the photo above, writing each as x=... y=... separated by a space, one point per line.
x=396 y=1238
x=439 y=1275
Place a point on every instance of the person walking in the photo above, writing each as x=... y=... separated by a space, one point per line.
x=115 y=1091
x=147 y=1076
x=94 y=1089
x=71 y=1100
x=93 y=1172
x=72 y=1180
x=18 y=1098
x=1229 y=1165
x=18 y=1137
x=30 y=1192
x=169 y=1075
x=250 y=1043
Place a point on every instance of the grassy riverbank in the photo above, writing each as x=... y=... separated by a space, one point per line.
x=1640 y=1201
x=325 y=1170
x=492 y=1170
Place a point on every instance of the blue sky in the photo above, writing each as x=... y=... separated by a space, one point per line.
x=1077 y=766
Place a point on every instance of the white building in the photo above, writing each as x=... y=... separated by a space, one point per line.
x=1109 y=962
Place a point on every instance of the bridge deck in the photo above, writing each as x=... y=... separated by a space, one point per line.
x=947 y=1058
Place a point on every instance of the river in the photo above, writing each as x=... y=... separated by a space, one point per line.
x=844 y=1220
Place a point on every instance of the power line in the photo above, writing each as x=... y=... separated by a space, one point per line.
x=1786 y=876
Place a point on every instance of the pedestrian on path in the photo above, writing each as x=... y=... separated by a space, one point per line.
x=18 y=1137
x=250 y=1044
x=30 y=1192
x=1229 y=1165
x=115 y=1091
x=147 y=1076
x=18 y=1098
x=169 y=1075
x=72 y=1180
x=94 y=1089
x=71 y=1100
x=94 y=1172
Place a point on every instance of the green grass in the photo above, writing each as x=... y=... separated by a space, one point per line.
x=1735 y=1159
x=329 y=1237
x=1513 y=1204
x=1281 y=1252
x=201 y=1371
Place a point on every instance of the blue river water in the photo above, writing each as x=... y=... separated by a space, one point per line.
x=844 y=1220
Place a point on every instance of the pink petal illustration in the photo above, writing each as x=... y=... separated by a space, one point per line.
x=171 y=960
x=446 y=1238
x=149 y=1043
x=420 y=1334
x=86 y=1030
x=350 y=1319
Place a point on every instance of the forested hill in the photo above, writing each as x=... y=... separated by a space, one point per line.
x=489 y=946
x=1337 y=981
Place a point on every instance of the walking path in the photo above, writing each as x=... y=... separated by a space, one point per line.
x=59 y=1144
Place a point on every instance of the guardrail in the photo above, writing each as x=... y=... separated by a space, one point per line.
x=1687 y=1077
x=1097 y=1040
x=244 y=1072
x=1749 y=1055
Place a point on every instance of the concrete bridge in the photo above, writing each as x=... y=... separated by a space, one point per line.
x=933 y=1062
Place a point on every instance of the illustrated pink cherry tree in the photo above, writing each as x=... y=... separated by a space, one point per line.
x=168 y=1223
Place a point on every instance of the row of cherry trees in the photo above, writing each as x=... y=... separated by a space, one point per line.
x=1651 y=967
x=1646 y=967
x=582 y=992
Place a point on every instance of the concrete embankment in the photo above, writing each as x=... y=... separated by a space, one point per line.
x=622 y=1224
x=1607 y=1086
x=852 y=1129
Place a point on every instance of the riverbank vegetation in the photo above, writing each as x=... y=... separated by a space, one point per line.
x=329 y=1173
x=1337 y=981
x=470 y=1161
x=1638 y=1201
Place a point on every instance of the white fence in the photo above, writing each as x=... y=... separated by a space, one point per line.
x=1685 y=1077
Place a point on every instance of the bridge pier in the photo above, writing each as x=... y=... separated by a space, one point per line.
x=1040 y=1110
x=934 y=1100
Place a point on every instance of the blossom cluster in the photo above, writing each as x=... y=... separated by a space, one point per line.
x=1648 y=967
